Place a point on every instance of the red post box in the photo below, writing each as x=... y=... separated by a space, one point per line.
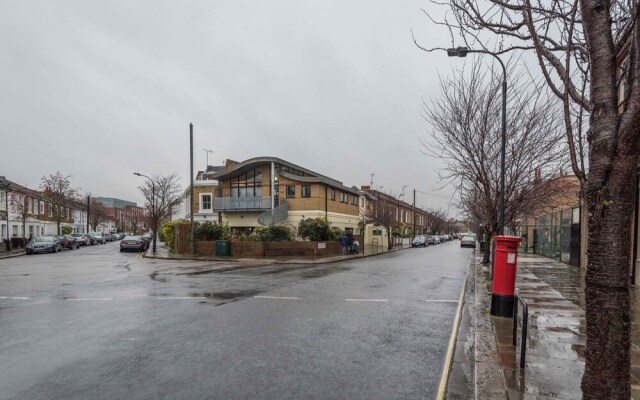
x=504 y=275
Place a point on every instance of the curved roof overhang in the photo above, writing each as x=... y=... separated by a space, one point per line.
x=255 y=162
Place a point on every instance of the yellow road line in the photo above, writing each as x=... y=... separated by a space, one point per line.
x=452 y=341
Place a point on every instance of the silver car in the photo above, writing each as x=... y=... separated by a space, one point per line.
x=98 y=237
x=44 y=244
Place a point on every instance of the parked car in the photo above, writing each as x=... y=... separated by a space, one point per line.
x=131 y=242
x=419 y=241
x=148 y=237
x=98 y=237
x=91 y=241
x=68 y=242
x=436 y=239
x=81 y=238
x=108 y=237
x=430 y=240
x=44 y=244
x=468 y=241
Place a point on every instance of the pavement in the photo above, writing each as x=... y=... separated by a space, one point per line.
x=13 y=253
x=163 y=252
x=554 y=361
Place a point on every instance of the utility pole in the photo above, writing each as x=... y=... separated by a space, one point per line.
x=192 y=249
x=413 y=212
x=88 y=211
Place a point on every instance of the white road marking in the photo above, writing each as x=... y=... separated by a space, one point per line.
x=94 y=299
x=277 y=297
x=180 y=298
x=15 y=298
x=442 y=301
x=371 y=300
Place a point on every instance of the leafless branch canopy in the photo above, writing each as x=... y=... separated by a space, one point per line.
x=466 y=135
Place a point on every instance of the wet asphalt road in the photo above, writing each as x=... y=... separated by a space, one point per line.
x=95 y=323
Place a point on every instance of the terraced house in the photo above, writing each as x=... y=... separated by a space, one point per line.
x=264 y=190
x=25 y=212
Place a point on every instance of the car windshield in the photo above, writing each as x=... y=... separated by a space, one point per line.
x=132 y=238
x=43 y=239
x=60 y=237
x=468 y=238
x=76 y=234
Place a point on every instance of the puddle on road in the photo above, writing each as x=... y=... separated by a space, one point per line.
x=321 y=272
x=154 y=276
x=227 y=296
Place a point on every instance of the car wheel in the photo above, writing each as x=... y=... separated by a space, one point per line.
x=121 y=251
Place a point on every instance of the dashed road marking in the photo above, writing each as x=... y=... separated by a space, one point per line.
x=15 y=298
x=93 y=299
x=180 y=298
x=441 y=301
x=369 y=300
x=277 y=297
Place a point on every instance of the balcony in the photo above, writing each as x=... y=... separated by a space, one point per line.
x=258 y=203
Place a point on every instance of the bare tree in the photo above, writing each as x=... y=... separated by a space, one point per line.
x=162 y=194
x=587 y=51
x=466 y=135
x=437 y=220
x=97 y=214
x=383 y=212
x=21 y=206
x=60 y=195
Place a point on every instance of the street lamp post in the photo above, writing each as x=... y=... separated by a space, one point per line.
x=153 y=205
x=462 y=52
x=7 y=188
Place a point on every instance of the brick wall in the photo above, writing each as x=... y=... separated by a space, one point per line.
x=256 y=249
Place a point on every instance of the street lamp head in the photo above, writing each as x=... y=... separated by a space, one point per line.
x=459 y=51
x=137 y=173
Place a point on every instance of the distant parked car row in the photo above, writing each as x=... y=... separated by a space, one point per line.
x=428 y=240
x=56 y=243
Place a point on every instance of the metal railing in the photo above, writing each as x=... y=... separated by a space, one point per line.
x=525 y=319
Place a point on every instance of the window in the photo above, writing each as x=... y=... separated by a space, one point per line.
x=291 y=192
x=354 y=200
x=248 y=184
x=333 y=194
x=344 y=198
x=205 y=202
x=306 y=191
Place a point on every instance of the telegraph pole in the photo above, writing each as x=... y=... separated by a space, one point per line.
x=192 y=249
x=88 y=211
x=413 y=212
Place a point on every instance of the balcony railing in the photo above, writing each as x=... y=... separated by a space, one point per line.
x=258 y=203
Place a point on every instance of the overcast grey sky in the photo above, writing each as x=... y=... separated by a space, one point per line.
x=100 y=89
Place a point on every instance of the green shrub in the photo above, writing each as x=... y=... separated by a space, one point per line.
x=66 y=230
x=276 y=233
x=317 y=229
x=168 y=232
x=211 y=231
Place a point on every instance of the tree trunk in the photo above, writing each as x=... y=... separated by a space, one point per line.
x=610 y=208
x=488 y=239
